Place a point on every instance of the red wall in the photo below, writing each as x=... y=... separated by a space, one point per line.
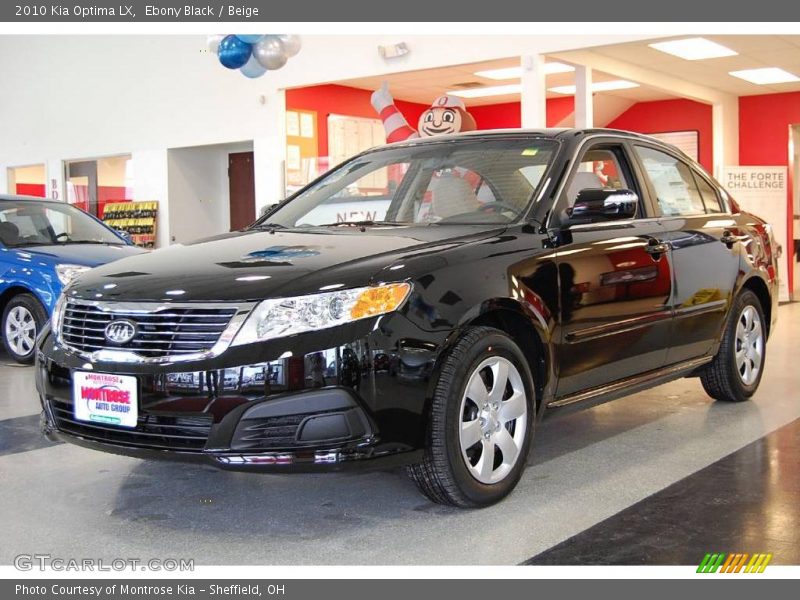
x=671 y=115
x=354 y=102
x=341 y=100
x=764 y=127
x=507 y=115
x=31 y=189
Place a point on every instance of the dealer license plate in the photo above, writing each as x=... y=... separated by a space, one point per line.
x=104 y=398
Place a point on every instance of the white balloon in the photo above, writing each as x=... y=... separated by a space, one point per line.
x=270 y=53
x=291 y=43
x=213 y=41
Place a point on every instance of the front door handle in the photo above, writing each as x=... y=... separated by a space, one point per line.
x=656 y=248
x=729 y=239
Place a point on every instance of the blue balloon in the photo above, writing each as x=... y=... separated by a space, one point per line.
x=250 y=39
x=253 y=69
x=233 y=52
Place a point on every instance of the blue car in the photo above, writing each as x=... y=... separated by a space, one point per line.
x=43 y=246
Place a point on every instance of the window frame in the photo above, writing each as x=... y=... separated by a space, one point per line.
x=629 y=165
x=693 y=171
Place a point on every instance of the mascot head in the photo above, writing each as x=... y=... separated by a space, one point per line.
x=447 y=114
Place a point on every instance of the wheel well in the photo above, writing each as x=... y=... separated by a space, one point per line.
x=8 y=294
x=518 y=328
x=759 y=288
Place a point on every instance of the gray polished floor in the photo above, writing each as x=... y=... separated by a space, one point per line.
x=587 y=466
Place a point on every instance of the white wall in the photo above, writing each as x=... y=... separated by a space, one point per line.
x=90 y=96
x=199 y=195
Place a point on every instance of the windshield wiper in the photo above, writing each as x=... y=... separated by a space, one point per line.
x=99 y=242
x=361 y=224
x=268 y=226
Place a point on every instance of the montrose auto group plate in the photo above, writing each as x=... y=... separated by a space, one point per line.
x=105 y=398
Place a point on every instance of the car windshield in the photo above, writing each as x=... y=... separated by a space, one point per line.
x=476 y=181
x=37 y=223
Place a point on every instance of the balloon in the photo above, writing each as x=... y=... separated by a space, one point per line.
x=291 y=44
x=212 y=42
x=233 y=52
x=270 y=53
x=249 y=39
x=252 y=68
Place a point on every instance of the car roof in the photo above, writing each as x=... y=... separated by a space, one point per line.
x=17 y=198
x=549 y=132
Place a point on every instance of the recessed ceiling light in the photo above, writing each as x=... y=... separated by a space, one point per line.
x=516 y=72
x=598 y=86
x=695 y=48
x=495 y=90
x=765 y=76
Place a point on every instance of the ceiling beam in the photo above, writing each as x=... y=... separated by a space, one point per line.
x=670 y=84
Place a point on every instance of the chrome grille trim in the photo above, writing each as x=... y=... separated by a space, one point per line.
x=166 y=332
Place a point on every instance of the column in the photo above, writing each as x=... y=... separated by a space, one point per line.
x=533 y=100
x=725 y=136
x=269 y=150
x=584 y=109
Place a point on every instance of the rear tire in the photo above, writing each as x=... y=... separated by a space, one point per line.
x=735 y=372
x=23 y=319
x=481 y=422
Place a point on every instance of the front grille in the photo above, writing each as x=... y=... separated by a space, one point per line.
x=174 y=432
x=167 y=331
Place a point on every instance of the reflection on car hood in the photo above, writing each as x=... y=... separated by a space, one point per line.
x=90 y=255
x=257 y=264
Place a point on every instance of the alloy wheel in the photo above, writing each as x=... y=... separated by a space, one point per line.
x=749 y=345
x=20 y=330
x=494 y=412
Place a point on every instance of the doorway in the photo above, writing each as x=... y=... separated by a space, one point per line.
x=242 y=190
x=794 y=174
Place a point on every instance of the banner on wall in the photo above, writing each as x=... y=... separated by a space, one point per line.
x=763 y=191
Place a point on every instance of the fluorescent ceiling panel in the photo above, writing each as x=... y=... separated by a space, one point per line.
x=695 y=48
x=766 y=76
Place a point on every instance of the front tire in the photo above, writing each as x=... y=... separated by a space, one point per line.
x=735 y=372
x=481 y=422
x=23 y=319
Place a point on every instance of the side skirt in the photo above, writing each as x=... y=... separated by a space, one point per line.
x=624 y=387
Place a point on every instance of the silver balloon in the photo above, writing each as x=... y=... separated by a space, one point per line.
x=291 y=43
x=270 y=53
x=212 y=42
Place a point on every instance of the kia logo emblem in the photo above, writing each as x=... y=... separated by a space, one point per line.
x=120 y=332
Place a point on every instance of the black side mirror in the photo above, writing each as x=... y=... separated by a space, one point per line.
x=594 y=206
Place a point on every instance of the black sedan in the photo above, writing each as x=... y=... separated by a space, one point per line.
x=423 y=304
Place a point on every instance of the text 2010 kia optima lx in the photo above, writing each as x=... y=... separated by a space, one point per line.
x=422 y=304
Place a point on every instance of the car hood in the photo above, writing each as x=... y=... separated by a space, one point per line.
x=90 y=255
x=255 y=264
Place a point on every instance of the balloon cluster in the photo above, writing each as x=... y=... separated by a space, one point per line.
x=254 y=55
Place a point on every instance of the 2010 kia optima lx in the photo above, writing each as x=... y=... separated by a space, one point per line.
x=422 y=304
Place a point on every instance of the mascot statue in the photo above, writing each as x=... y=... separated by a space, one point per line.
x=447 y=114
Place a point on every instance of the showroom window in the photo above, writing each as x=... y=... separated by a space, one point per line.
x=93 y=183
x=30 y=180
x=676 y=191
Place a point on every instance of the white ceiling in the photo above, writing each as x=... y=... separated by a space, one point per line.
x=754 y=51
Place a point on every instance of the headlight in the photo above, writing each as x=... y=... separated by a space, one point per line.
x=280 y=317
x=66 y=272
x=58 y=316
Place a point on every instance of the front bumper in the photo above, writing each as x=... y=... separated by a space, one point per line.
x=355 y=396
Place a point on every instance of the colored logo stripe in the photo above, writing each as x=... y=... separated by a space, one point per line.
x=734 y=563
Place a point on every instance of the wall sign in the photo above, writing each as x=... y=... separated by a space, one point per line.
x=763 y=191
